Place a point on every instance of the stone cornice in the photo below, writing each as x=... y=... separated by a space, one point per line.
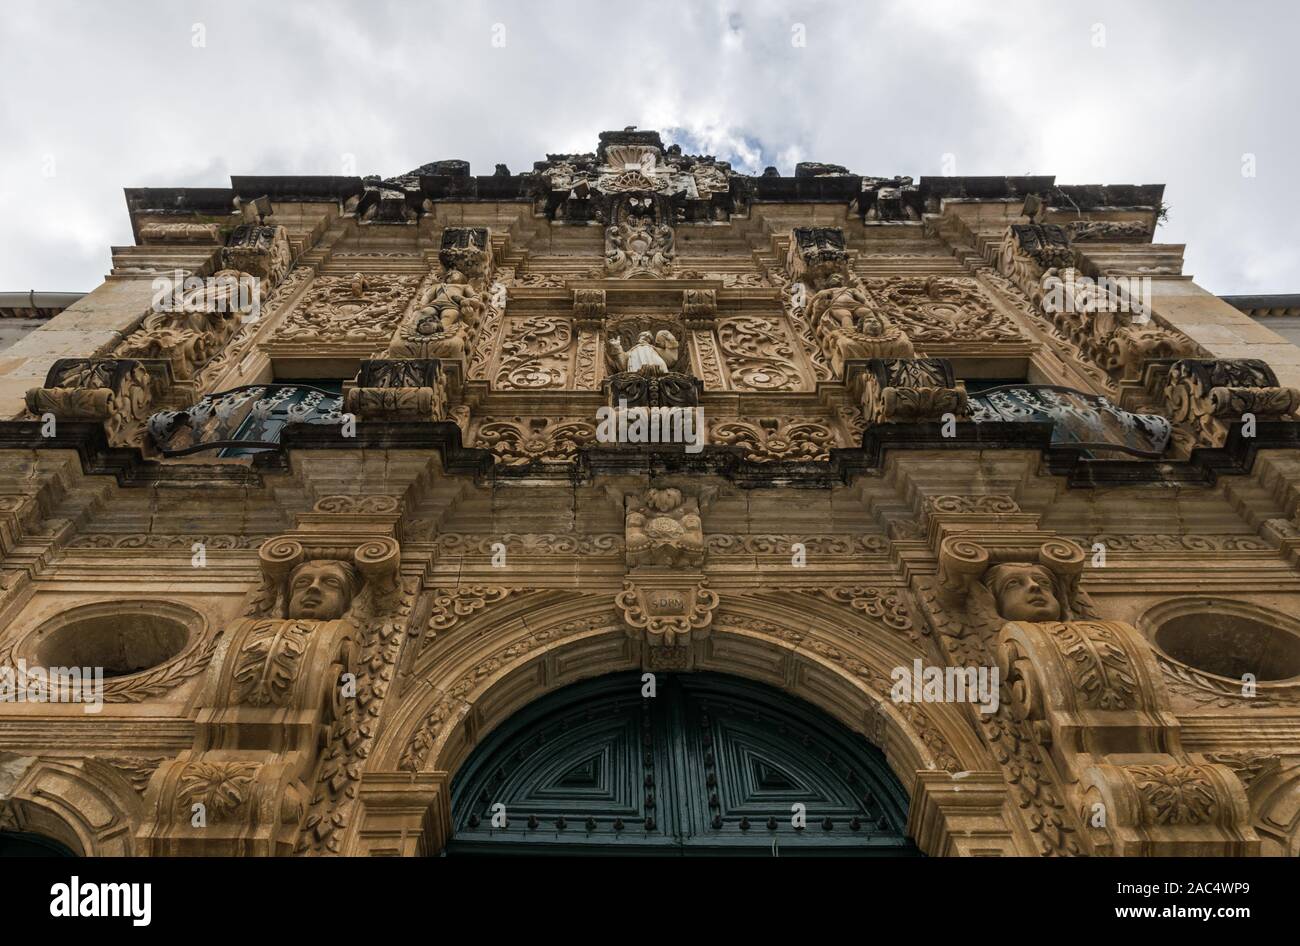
x=130 y=468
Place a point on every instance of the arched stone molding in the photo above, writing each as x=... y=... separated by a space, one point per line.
x=1192 y=687
x=88 y=805
x=1273 y=789
x=497 y=667
x=188 y=660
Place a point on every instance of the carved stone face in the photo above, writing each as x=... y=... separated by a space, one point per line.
x=321 y=591
x=664 y=499
x=1024 y=592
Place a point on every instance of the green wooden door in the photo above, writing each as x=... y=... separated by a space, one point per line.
x=711 y=765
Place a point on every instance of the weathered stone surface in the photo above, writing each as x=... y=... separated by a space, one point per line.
x=329 y=592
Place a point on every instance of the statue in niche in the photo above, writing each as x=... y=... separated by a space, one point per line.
x=1024 y=592
x=650 y=354
x=322 y=590
x=850 y=327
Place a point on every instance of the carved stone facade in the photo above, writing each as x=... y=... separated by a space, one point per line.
x=321 y=554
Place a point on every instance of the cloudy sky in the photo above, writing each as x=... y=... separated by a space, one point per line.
x=95 y=97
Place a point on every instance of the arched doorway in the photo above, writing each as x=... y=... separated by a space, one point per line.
x=26 y=844
x=710 y=765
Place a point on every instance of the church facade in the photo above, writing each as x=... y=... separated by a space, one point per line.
x=633 y=504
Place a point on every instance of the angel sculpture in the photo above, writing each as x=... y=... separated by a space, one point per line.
x=650 y=354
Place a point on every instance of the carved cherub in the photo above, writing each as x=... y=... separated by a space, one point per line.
x=664 y=528
x=650 y=354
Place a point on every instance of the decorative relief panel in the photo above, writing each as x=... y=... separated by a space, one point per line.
x=941 y=309
x=761 y=544
x=361 y=309
x=777 y=438
x=758 y=355
x=518 y=440
x=535 y=353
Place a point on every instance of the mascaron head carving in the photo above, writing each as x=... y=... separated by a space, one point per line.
x=1024 y=592
x=322 y=590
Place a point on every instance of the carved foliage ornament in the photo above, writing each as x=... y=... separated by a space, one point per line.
x=777 y=438
x=1208 y=396
x=757 y=354
x=114 y=391
x=519 y=440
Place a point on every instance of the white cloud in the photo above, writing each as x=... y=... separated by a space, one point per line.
x=120 y=97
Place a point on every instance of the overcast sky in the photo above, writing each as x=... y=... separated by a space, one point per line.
x=99 y=96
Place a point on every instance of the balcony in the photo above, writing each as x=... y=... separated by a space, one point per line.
x=1078 y=419
x=246 y=419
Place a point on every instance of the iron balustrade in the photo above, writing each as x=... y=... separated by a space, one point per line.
x=246 y=418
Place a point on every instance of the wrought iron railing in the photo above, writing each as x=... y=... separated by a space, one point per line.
x=244 y=418
x=1078 y=419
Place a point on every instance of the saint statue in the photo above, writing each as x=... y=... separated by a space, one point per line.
x=650 y=354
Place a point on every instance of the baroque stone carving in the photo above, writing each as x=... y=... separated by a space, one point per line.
x=359 y=308
x=318 y=577
x=757 y=354
x=261 y=251
x=520 y=440
x=906 y=390
x=535 y=353
x=115 y=392
x=883 y=605
x=844 y=321
x=449 y=311
x=650 y=355
x=187 y=337
x=672 y=617
x=941 y=309
x=548 y=543
x=663 y=527
x=849 y=326
x=396 y=389
x=1208 y=397
x=451 y=605
x=638 y=242
x=765 y=544
x=776 y=438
